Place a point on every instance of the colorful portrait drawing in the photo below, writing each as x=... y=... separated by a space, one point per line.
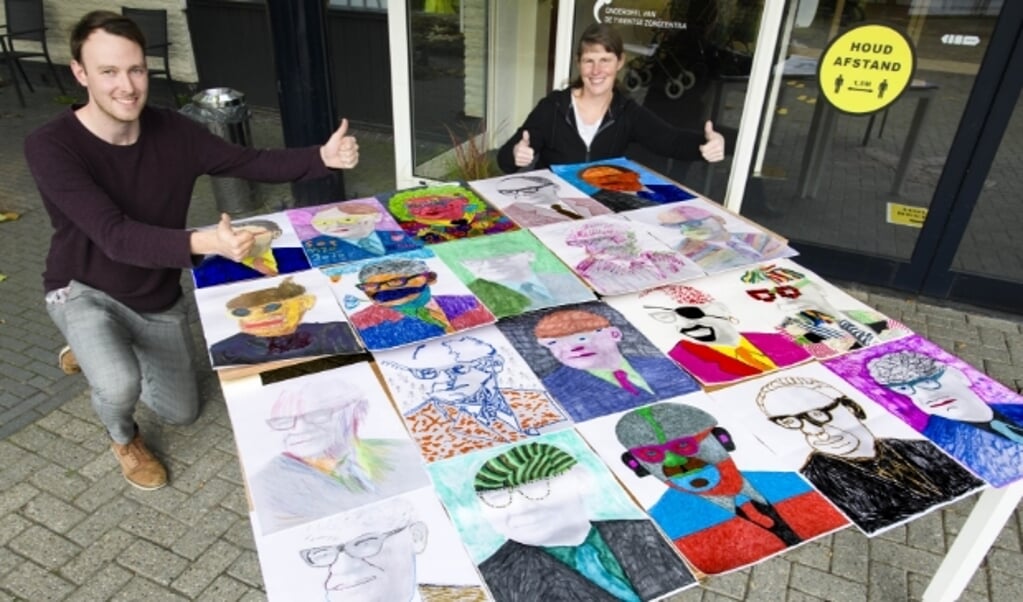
x=816 y=315
x=615 y=256
x=513 y=273
x=435 y=214
x=710 y=236
x=705 y=337
x=405 y=298
x=714 y=490
x=620 y=184
x=276 y=251
x=349 y=230
x=283 y=318
x=401 y=549
x=467 y=392
x=322 y=443
x=545 y=520
x=879 y=472
x=593 y=361
x=975 y=419
x=536 y=198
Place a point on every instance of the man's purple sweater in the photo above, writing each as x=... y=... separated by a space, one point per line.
x=119 y=212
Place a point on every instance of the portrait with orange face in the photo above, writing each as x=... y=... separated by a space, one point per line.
x=435 y=214
x=274 y=319
x=621 y=184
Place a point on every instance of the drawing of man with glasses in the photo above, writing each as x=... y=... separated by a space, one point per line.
x=987 y=437
x=719 y=516
x=371 y=554
x=711 y=348
x=270 y=320
x=325 y=466
x=877 y=482
x=536 y=495
x=404 y=309
x=536 y=201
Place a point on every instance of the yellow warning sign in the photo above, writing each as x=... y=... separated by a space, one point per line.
x=866 y=69
x=906 y=215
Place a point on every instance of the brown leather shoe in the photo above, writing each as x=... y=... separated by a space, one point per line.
x=139 y=466
x=67 y=361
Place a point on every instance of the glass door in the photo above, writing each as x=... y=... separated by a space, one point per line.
x=461 y=71
x=854 y=190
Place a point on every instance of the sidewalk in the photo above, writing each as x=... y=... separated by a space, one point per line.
x=71 y=528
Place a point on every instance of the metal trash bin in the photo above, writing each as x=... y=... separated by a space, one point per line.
x=224 y=112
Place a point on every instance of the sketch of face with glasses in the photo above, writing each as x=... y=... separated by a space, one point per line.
x=707 y=324
x=531 y=189
x=944 y=391
x=371 y=556
x=543 y=512
x=829 y=421
x=317 y=423
x=271 y=312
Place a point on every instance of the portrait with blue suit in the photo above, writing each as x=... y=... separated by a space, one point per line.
x=593 y=361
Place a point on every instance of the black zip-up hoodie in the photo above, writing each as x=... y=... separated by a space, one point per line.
x=555 y=139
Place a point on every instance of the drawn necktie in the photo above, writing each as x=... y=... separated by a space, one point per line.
x=587 y=560
x=371 y=244
x=623 y=380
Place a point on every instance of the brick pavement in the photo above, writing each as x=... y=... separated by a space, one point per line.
x=72 y=529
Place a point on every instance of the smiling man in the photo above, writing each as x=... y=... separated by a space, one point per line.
x=116 y=179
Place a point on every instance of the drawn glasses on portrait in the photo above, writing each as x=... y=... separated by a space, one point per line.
x=362 y=546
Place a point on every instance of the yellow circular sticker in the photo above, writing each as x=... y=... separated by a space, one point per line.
x=866 y=69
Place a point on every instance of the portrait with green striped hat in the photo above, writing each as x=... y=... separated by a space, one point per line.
x=523 y=464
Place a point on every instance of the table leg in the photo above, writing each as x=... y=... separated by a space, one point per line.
x=985 y=522
x=911 y=139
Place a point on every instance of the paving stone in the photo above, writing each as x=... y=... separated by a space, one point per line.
x=227 y=589
x=10 y=526
x=240 y=534
x=29 y=581
x=102 y=585
x=201 y=535
x=769 y=580
x=101 y=520
x=204 y=570
x=57 y=515
x=1005 y=586
x=253 y=595
x=15 y=497
x=912 y=559
x=246 y=569
x=815 y=554
x=926 y=532
x=97 y=554
x=44 y=547
x=61 y=482
x=18 y=470
x=110 y=486
x=849 y=554
x=204 y=469
x=152 y=562
x=825 y=585
x=732 y=585
x=153 y=525
x=139 y=588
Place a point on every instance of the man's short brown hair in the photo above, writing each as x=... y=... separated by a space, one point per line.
x=285 y=290
x=569 y=321
x=110 y=22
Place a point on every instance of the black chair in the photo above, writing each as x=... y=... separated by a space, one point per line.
x=25 y=23
x=153 y=24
